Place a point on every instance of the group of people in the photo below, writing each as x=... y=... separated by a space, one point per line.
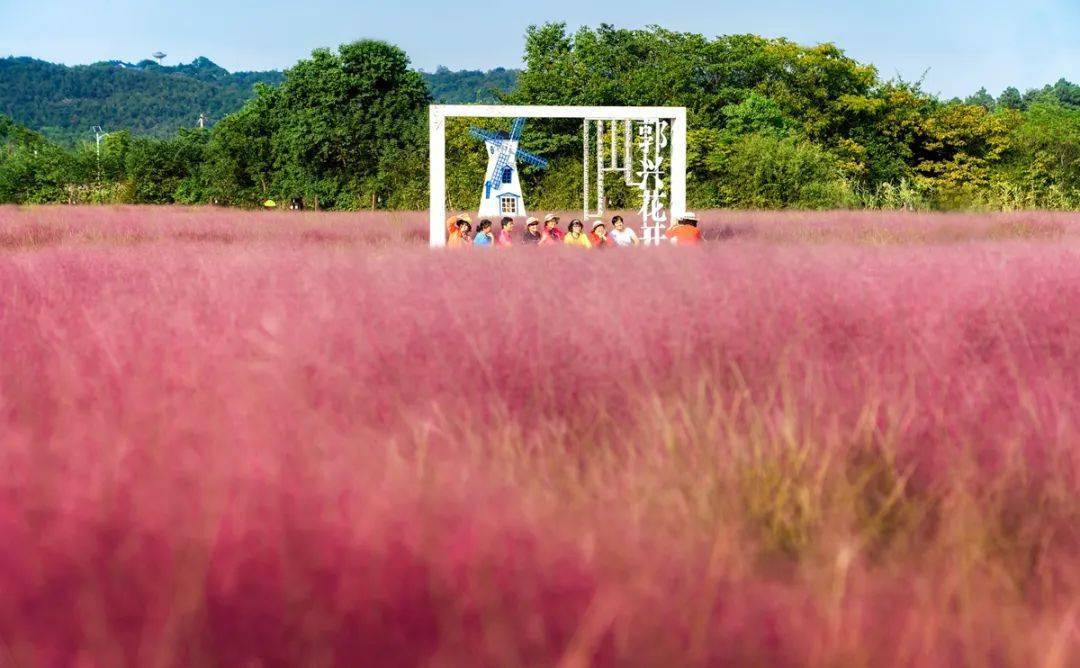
x=460 y=232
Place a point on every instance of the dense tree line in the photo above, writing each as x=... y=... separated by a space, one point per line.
x=778 y=124
x=1064 y=92
x=773 y=124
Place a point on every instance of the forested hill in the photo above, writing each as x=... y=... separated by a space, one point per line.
x=468 y=86
x=64 y=102
x=146 y=98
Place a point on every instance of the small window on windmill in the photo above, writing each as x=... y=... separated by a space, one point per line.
x=507 y=175
x=509 y=205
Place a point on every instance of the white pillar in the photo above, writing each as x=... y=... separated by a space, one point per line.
x=678 y=164
x=585 y=176
x=437 y=177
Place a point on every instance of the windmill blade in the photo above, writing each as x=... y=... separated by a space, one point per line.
x=486 y=135
x=532 y=159
x=515 y=129
x=501 y=163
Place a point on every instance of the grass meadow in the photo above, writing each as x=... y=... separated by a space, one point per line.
x=265 y=439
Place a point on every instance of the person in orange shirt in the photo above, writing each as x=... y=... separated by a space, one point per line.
x=457 y=230
x=686 y=232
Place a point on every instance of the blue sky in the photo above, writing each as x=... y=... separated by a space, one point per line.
x=964 y=44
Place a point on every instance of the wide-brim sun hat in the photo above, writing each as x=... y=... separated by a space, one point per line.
x=550 y=217
x=596 y=224
x=688 y=216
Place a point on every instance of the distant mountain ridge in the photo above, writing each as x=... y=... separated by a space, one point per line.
x=469 y=86
x=146 y=98
x=64 y=102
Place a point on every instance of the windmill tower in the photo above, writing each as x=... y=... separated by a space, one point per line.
x=99 y=134
x=502 y=195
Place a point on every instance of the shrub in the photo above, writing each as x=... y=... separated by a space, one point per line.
x=762 y=171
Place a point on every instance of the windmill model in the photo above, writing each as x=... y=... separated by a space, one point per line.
x=502 y=194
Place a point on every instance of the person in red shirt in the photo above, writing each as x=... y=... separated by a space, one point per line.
x=686 y=232
x=598 y=234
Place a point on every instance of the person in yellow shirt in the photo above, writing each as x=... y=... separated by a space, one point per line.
x=575 y=236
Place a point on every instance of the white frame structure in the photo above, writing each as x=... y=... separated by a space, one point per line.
x=438 y=113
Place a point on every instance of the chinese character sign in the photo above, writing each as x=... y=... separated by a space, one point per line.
x=652 y=140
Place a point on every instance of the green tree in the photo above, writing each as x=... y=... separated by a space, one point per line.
x=32 y=169
x=756 y=114
x=166 y=171
x=239 y=167
x=961 y=144
x=339 y=117
x=1011 y=98
x=1042 y=166
x=981 y=99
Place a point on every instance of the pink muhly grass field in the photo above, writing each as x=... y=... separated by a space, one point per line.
x=248 y=438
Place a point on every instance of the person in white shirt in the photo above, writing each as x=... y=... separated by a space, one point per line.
x=621 y=234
